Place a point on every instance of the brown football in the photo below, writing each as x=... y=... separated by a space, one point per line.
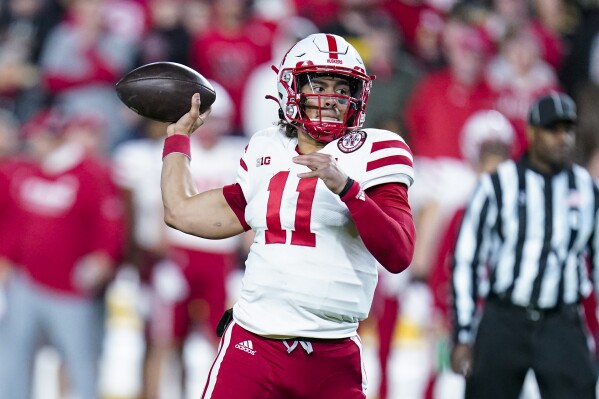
x=162 y=90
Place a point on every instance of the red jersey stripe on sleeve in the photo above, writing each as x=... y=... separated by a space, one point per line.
x=392 y=160
x=236 y=200
x=243 y=165
x=381 y=145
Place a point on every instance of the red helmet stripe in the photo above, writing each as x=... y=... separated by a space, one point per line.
x=332 y=46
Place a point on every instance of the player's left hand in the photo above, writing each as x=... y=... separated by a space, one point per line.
x=324 y=167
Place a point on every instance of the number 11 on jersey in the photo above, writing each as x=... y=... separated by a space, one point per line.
x=301 y=235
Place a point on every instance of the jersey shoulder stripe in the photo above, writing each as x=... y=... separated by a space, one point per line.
x=386 y=161
x=394 y=143
x=404 y=158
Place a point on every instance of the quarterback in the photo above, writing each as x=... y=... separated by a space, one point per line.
x=327 y=201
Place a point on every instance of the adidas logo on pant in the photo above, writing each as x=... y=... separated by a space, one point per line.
x=246 y=346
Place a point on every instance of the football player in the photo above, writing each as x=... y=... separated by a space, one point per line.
x=327 y=201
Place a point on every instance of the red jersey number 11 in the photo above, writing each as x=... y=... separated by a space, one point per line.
x=302 y=235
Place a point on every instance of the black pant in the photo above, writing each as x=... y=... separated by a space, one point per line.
x=511 y=340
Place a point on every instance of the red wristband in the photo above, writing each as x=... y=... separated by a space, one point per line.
x=355 y=191
x=177 y=143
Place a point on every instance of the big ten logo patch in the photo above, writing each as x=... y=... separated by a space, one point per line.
x=263 y=161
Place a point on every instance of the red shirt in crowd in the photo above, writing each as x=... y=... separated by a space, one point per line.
x=58 y=218
x=229 y=57
x=437 y=110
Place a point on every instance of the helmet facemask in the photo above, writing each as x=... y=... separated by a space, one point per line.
x=312 y=110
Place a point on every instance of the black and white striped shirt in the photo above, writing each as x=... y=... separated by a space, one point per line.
x=529 y=235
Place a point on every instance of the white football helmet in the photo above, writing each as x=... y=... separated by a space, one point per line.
x=482 y=127
x=322 y=54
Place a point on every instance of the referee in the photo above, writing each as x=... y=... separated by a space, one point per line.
x=522 y=257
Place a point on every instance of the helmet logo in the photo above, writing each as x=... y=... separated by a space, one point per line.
x=351 y=142
x=334 y=61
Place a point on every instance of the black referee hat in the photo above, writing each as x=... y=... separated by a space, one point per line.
x=551 y=109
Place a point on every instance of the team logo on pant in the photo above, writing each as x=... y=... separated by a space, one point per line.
x=246 y=346
x=351 y=141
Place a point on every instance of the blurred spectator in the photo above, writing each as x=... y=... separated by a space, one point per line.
x=321 y=12
x=442 y=6
x=587 y=155
x=126 y=19
x=435 y=115
x=582 y=63
x=352 y=22
x=231 y=48
x=69 y=233
x=196 y=17
x=558 y=16
x=167 y=39
x=514 y=14
x=519 y=75
x=274 y=10
x=258 y=112
x=9 y=146
x=89 y=131
x=24 y=25
x=587 y=138
x=136 y=174
x=9 y=134
x=189 y=284
x=396 y=71
x=443 y=100
x=421 y=26
x=487 y=139
x=82 y=59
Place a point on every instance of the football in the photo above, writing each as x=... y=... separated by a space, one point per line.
x=162 y=90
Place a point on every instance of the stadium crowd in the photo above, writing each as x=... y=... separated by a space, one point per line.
x=455 y=78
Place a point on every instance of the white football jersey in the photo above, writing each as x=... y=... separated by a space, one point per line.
x=137 y=168
x=308 y=273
